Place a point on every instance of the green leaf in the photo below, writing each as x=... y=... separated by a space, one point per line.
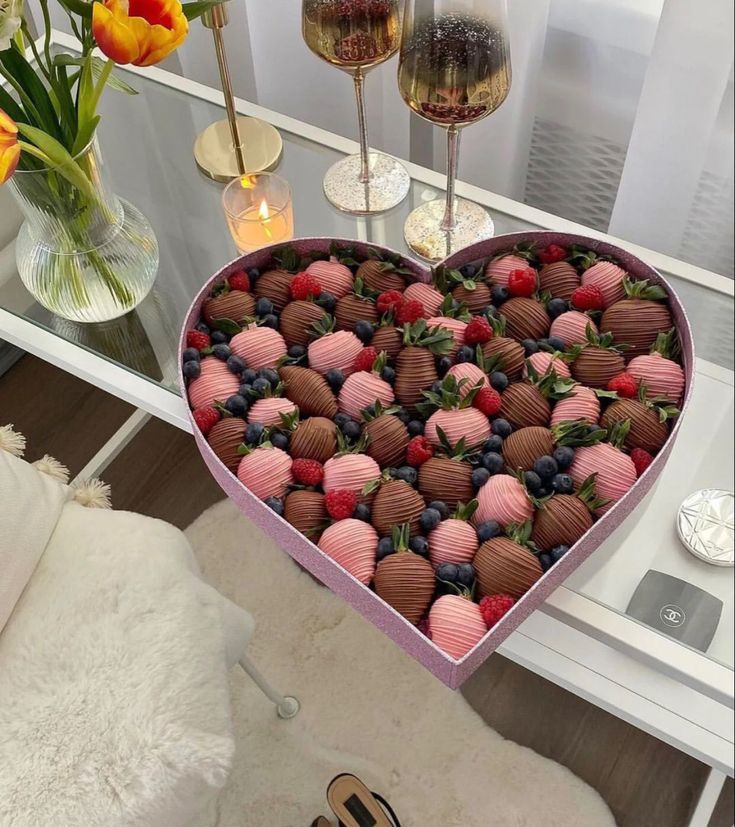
x=113 y=81
x=32 y=93
x=60 y=158
x=78 y=7
x=196 y=9
x=10 y=106
x=229 y=326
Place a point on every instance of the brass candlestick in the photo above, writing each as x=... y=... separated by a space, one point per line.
x=239 y=144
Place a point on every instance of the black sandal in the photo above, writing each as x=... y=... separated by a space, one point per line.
x=355 y=806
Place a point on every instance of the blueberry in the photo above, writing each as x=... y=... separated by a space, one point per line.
x=235 y=364
x=362 y=512
x=249 y=376
x=404 y=415
x=191 y=354
x=388 y=375
x=469 y=271
x=202 y=327
x=544 y=491
x=558 y=552
x=335 y=379
x=280 y=440
x=429 y=519
x=441 y=507
x=271 y=375
x=466 y=575
x=543 y=344
x=263 y=306
x=364 y=332
x=534 y=483
x=271 y=320
x=556 y=307
x=557 y=344
x=486 y=531
x=327 y=301
x=385 y=547
x=191 y=369
x=371 y=410
x=254 y=432
x=261 y=385
x=546 y=561
x=562 y=484
x=564 y=456
x=222 y=352
x=275 y=504
x=502 y=428
x=448 y=572
x=419 y=545
x=499 y=381
x=297 y=351
x=246 y=390
x=493 y=444
x=352 y=430
x=237 y=405
x=500 y=294
x=436 y=387
x=254 y=275
x=546 y=467
x=219 y=338
x=479 y=477
x=530 y=346
x=407 y=474
x=415 y=427
x=443 y=365
x=493 y=462
x=341 y=419
x=465 y=354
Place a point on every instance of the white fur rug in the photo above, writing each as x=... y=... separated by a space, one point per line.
x=368 y=709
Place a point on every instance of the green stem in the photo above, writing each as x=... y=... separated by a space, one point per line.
x=100 y=87
x=36 y=55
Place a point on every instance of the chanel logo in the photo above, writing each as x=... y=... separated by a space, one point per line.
x=672 y=615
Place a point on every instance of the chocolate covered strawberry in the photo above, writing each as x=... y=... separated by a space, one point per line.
x=388 y=437
x=389 y=338
x=451 y=416
x=454 y=540
x=658 y=371
x=601 y=272
x=529 y=403
x=525 y=446
x=364 y=388
x=456 y=624
x=415 y=365
x=357 y=306
x=648 y=429
x=309 y=390
x=427 y=296
x=503 y=353
x=526 y=318
x=265 y=470
x=354 y=545
x=333 y=351
x=380 y=276
x=396 y=502
x=275 y=285
x=637 y=320
x=404 y=579
x=597 y=361
x=563 y=519
x=297 y=320
x=505 y=565
x=472 y=292
x=228 y=304
x=616 y=472
x=499 y=268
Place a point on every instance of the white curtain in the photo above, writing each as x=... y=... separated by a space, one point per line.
x=620 y=115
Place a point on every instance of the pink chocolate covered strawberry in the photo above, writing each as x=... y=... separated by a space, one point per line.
x=364 y=388
x=354 y=545
x=456 y=624
x=333 y=351
x=260 y=347
x=452 y=417
x=266 y=471
x=216 y=382
x=504 y=500
x=454 y=540
x=615 y=470
x=334 y=278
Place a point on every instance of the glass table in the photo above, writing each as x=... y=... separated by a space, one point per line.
x=582 y=638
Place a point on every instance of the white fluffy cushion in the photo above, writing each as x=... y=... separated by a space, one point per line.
x=30 y=505
x=114 y=705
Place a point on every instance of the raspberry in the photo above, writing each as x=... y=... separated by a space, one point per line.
x=198 y=340
x=419 y=451
x=340 y=504
x=522 y=282
x=641 y=459
x=389 y=302
x=365 y=359
x=552 y=254
x=494 y=607
x=478 y=331
x=304 y=286
x=488 y=401
x=357 y=48
x=624 y=384
x=409 y=312
x=307 y=471
x=239 y=281
x=588 y=297
x=206 y=419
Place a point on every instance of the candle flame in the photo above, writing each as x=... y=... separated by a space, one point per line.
x=264 y=212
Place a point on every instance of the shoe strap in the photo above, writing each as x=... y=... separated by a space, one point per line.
x=386 y=806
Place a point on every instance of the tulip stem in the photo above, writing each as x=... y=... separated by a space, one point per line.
x=99 y=89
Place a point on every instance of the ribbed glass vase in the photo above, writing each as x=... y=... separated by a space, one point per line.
x=82 y=252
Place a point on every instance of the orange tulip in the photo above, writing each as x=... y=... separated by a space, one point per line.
x=141 y=32
x=9 y=147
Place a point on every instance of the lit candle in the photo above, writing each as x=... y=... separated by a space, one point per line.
x=259 y=211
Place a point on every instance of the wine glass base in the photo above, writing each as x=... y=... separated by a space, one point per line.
x=388 y=186
x=425 y=237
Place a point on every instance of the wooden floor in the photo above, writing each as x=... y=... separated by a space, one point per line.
x=645 y=782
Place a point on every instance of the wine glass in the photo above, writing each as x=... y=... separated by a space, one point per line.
x=454 y=70
x=356 y=35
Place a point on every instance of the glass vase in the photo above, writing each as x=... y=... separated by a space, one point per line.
x=82 y=252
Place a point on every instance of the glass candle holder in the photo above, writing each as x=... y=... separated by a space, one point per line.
x=259 y=210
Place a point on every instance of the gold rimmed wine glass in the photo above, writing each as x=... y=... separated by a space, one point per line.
x=454 y=70
x=356 y=36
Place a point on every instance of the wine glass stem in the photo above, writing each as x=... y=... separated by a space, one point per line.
x=453 y=133
x=362 y=119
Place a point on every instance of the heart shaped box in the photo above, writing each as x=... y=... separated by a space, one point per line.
x=451 y=672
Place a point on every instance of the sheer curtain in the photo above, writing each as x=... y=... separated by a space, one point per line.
x=620 y=116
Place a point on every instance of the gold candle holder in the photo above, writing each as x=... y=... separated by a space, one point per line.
x=238 y=144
